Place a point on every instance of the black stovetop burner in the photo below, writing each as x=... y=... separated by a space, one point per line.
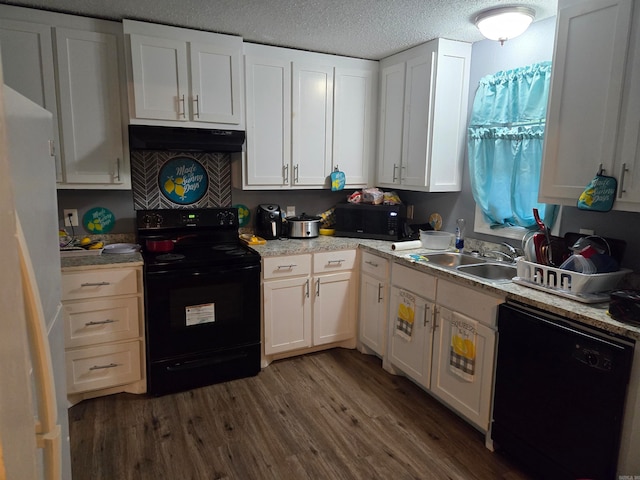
x=203 y=238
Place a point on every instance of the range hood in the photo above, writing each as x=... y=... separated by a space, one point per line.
x=147 y=137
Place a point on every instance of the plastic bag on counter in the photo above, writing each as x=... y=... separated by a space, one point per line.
x=373 y=196
x=391 y=198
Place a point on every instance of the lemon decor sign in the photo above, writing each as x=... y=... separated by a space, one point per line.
x=98 y=220
x=183 y=180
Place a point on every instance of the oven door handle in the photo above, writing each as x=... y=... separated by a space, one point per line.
x=201 y=272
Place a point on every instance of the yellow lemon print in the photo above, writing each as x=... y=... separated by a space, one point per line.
x=169 y=185
x=458 y=345
x=469 y=348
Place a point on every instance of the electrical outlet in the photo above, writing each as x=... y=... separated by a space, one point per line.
x=291 y=211
x=70 y=217
x=586 y=231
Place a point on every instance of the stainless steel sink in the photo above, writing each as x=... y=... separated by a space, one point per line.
x=494 y=272
x=452 y=259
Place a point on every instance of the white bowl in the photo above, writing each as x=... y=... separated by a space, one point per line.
x=436 y=240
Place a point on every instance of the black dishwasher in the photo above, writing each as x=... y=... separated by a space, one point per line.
x=560 y=389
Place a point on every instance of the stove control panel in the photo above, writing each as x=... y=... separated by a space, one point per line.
x=180 y=218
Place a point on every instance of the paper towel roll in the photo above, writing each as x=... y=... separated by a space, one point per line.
x=410 y=245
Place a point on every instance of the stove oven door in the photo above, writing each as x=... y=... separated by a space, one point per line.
x=199 y=319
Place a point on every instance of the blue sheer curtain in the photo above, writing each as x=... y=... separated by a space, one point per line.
x=506 y=133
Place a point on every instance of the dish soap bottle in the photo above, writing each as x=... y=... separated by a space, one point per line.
x=460 y=223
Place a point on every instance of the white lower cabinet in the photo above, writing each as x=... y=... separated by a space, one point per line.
x=374 y=304
x=104 y=334
x=309 y=300
x=441 y=309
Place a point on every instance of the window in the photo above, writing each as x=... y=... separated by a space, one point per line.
x=505 y=140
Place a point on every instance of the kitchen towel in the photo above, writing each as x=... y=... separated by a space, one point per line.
x=406 y=315
x=599 y=195
x=462 y=357
x=409 y=245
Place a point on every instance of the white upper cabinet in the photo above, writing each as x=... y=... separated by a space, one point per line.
x=90 y=107
x=308 y=114
x=423 y=115
x=74 y=67
x=594 y=108
x=182 y=77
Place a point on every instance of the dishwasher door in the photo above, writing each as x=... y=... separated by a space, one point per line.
x=560 y=389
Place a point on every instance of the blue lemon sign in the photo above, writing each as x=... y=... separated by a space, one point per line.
x=183 y=180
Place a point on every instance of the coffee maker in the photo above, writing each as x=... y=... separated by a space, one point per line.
x=268 y=221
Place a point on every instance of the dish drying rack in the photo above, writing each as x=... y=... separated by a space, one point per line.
x=585 y=288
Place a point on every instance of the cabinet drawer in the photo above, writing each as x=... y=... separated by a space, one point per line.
x=374 y=265
x=101 y=321
x=104 y=366
x=476 y=304
x=290 y=266
x=415 y=281
x=333 y=261
x=99 y=283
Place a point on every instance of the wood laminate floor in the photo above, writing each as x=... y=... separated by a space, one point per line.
x=330 y=415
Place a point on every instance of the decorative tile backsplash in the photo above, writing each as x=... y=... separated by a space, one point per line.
x=180 y=179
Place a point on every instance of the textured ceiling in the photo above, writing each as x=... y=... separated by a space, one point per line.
x=370 y=29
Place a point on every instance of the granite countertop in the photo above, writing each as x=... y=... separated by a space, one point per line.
x=590 y=314
x=106 y=260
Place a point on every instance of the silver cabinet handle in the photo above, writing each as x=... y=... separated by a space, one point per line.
x=102 y=367
x=100 y=322
x=95 y=284
x=286 y=267
x=622 y=174
x=181 y=111
x=339 y=262
x=427 y=308
x=307 y=289
x=318 y=288
x=117 y=175
x=435 y=318
x=196 y=104
x=379 y=292
x=295 y=174
x=373 y=264
x=285 y=174
x=395 y=167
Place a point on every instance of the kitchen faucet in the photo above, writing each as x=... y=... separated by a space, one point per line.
x=511 y=256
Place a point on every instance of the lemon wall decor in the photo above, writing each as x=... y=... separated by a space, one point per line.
x=98 y=220
x=183 y=180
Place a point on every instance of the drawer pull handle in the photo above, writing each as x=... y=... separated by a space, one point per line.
x=373 y=264
x=95 y=284
x=307 y=289
x=102 y=367
x=379 y=292
x=339 y=262
x=318 y=288
x=287 y=267
x=100 y=322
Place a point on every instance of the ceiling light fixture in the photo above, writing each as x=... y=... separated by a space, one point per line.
x=504 y=23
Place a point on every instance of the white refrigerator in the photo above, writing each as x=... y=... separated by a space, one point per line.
x=34 y=428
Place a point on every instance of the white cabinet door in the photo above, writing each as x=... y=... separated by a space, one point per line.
x=286 y=314
x=268 y=97
x=354 y=124
x=391 y=118
x=417 y=120
x=90 y=108
x=160 y=87
x=470 y=396
x=412 y=356
x=334 y=306
x=589 y=63
x=215 y=77
x=627 y=168
x=374 y=301
x=312 y=119
x=28 y=68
